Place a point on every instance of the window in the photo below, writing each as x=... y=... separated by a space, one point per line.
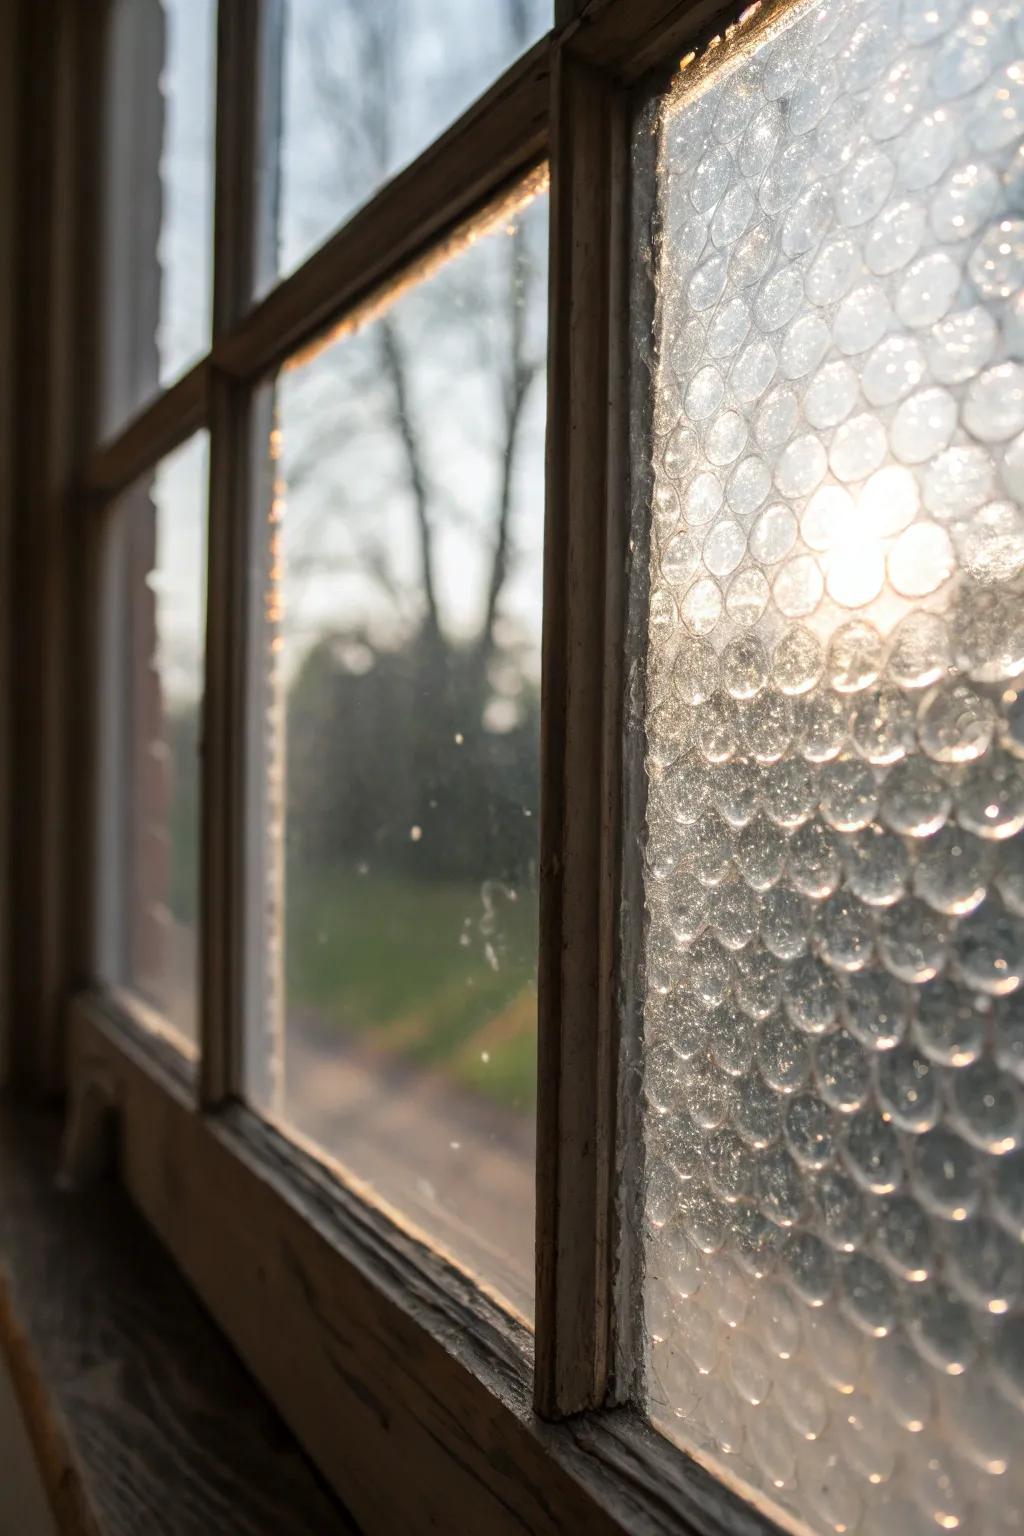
x=833 y=1111
x=363 y=88
x=155 y=602
x=403 y=723
x=157 y=198
x=555 y=973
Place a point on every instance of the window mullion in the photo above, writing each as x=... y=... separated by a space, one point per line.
x=223 y=759
x=580 y=743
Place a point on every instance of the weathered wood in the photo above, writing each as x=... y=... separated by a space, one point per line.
x=141 y=1417
x=158 y=429
x=407 y=1386
x=579 y=743
x=52 y=362
x=10 y=159
x=628 y=38
x=231 y=519
x=497 y=141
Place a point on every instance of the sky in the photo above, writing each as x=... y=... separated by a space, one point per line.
x=346 y=120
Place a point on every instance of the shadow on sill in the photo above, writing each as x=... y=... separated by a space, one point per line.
x=141 y=1416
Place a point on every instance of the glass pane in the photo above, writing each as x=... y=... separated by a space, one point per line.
x=362 y=87
x=151 y=701
x=158 y=214
x=833 y=1201
x=401 y=708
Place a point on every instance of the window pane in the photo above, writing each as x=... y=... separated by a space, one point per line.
x=159 y=198
x=363 y=86
x=402 y=716
x=833 y=1283
x=151 y=700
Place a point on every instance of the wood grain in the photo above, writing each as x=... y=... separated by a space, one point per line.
x=408 y=1388
x=53 y=354
x=580 y=747
x=630 y=38
x=157 y=429
x=141 y=1417
x=232 y=519
x=497 y=141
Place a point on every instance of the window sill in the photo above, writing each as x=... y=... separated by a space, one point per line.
x=408 y=1387
x=140 y=1415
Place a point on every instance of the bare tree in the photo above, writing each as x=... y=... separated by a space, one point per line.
x=352 y=50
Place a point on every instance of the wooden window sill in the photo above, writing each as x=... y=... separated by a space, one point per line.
x=141 y=1417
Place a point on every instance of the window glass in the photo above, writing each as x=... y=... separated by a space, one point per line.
x=158 y=187
x=833 y=1282
x=150 y=706
x=361 y=87
x=400 y=705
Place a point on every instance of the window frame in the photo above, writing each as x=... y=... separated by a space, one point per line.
x=477 y=1421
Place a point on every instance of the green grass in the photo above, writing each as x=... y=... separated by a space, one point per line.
x=402 y=963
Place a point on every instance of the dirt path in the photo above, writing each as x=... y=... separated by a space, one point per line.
x=453 y=1163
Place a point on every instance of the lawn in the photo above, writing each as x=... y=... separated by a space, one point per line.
x=439 y=974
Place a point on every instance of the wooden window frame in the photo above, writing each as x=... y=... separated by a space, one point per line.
x=422 y=1401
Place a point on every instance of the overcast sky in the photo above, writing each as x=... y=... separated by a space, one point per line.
x=444 y=53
